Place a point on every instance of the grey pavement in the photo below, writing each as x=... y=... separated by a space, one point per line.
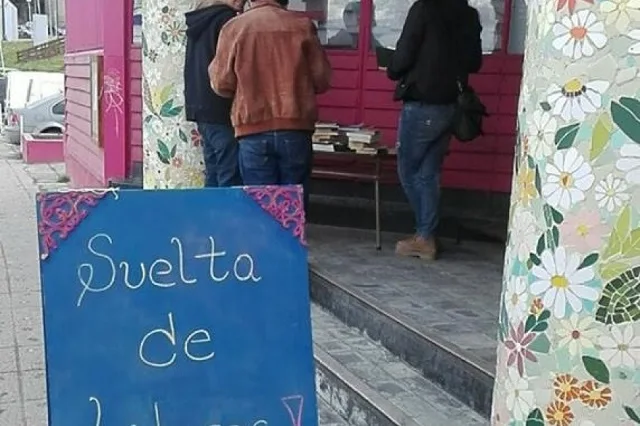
x=22 y=374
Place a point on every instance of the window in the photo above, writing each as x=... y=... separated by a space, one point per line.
x=137 y=21
x=58 y=109
x=96 y=89
x=338 y=21
x=517 y=27
x=389 y=17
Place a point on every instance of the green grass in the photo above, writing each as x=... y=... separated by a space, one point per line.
x=10 y=50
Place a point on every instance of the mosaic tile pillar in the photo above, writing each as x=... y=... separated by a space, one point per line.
x=171 y=145
x=569 y=330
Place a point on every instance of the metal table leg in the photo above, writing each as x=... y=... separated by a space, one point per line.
x=377 y=202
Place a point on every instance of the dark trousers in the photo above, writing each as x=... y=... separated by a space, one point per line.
x=220 y=150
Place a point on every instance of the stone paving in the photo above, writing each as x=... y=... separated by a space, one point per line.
x=22 y=375
x=455 y=299
x=395 y=380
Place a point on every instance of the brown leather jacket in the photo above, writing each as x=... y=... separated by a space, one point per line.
x=271 y=62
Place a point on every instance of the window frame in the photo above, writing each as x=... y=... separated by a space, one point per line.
x=96 y=81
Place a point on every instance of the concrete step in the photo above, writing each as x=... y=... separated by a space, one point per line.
x=441 y=363
x=369 y=386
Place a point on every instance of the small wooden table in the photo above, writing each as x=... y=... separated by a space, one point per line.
x=373 y=176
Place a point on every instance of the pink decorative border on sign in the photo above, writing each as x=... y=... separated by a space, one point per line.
x=294 y=405
x=284 y=203
x=60 y=213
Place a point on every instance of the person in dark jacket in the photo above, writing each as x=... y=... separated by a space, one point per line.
x=210 y=112
x=425 y=66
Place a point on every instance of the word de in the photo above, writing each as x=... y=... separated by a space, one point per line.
x=161 y=273
x=197 y=337
x=157 y=417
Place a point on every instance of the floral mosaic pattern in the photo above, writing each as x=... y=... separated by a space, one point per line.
x=171 y=145
x=569 y=329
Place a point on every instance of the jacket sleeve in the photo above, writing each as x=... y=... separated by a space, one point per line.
x=319 y=64
x=222 y=69
x=408 y=44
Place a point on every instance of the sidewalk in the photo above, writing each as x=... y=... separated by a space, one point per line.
x=22 y=386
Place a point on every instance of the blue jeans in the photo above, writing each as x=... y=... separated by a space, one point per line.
x=220 y=150
x=423 y=140
x=281 y=157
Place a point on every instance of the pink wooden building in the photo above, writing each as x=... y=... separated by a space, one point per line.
x=103 y=140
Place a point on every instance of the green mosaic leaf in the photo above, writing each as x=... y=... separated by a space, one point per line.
x=610 y=270
x=589 y=260
x=163 y=152
x=173 y=151
x=546 y=106
x=530 y=323
x=147 y=98
x=600 y=136
x=632 y=414
x=538 y=181
x=534 y=259
x=566 y=136
x=541 y=344
x=626 y=115
x=183 y=136
x=619 y=233
x=540 y=327
x=535 y=418
x=544 y=315
x=596 y=368
x=631 y=244
x=530 y=162
x=620 y=299
x=541 y=245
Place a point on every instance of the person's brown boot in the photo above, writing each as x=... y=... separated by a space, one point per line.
x=417 y=246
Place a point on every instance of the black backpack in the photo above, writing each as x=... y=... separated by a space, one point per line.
x=466 y=37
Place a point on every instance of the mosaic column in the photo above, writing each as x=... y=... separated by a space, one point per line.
x=171 y=145
x=569 y=330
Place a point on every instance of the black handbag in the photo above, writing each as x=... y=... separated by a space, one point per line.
x=469 y=114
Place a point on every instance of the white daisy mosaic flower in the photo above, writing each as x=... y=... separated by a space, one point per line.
x=629 y=162
x=579 y=35
x=621 y=13
x=611 y=193
x=516 y=298
x=559 y=281
x=520 y=399
x=524 y=226
x=542 y=129
x=621 y=348
x=575 y=99
x=568 y=177
x=634 y=49
x=577 y=333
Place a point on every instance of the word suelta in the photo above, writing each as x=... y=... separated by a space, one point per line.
x=161 y=272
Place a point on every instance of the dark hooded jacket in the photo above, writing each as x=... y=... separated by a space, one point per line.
x=425 y=58
x=202 y=104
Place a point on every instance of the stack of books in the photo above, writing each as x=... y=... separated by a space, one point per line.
x=362 y=140
x=326 y=136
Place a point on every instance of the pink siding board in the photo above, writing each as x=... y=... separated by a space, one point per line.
x=83 y=156
x=84 y=25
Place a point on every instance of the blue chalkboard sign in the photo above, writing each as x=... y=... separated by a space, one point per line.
x=177 y=308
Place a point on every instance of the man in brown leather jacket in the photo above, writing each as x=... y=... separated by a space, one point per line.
x=271 y=62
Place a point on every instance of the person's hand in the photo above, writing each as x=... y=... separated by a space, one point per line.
x=382 y=68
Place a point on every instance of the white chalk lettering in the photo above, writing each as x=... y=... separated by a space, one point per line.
x=166 y=271
x=249 y=275
x=96 y=401
x=163 y=272
x=143 y=274
x=194 y=340
x=183 y=276
x=212 y=255
x=198 y=337
x=170 y=335
x=86 y=283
